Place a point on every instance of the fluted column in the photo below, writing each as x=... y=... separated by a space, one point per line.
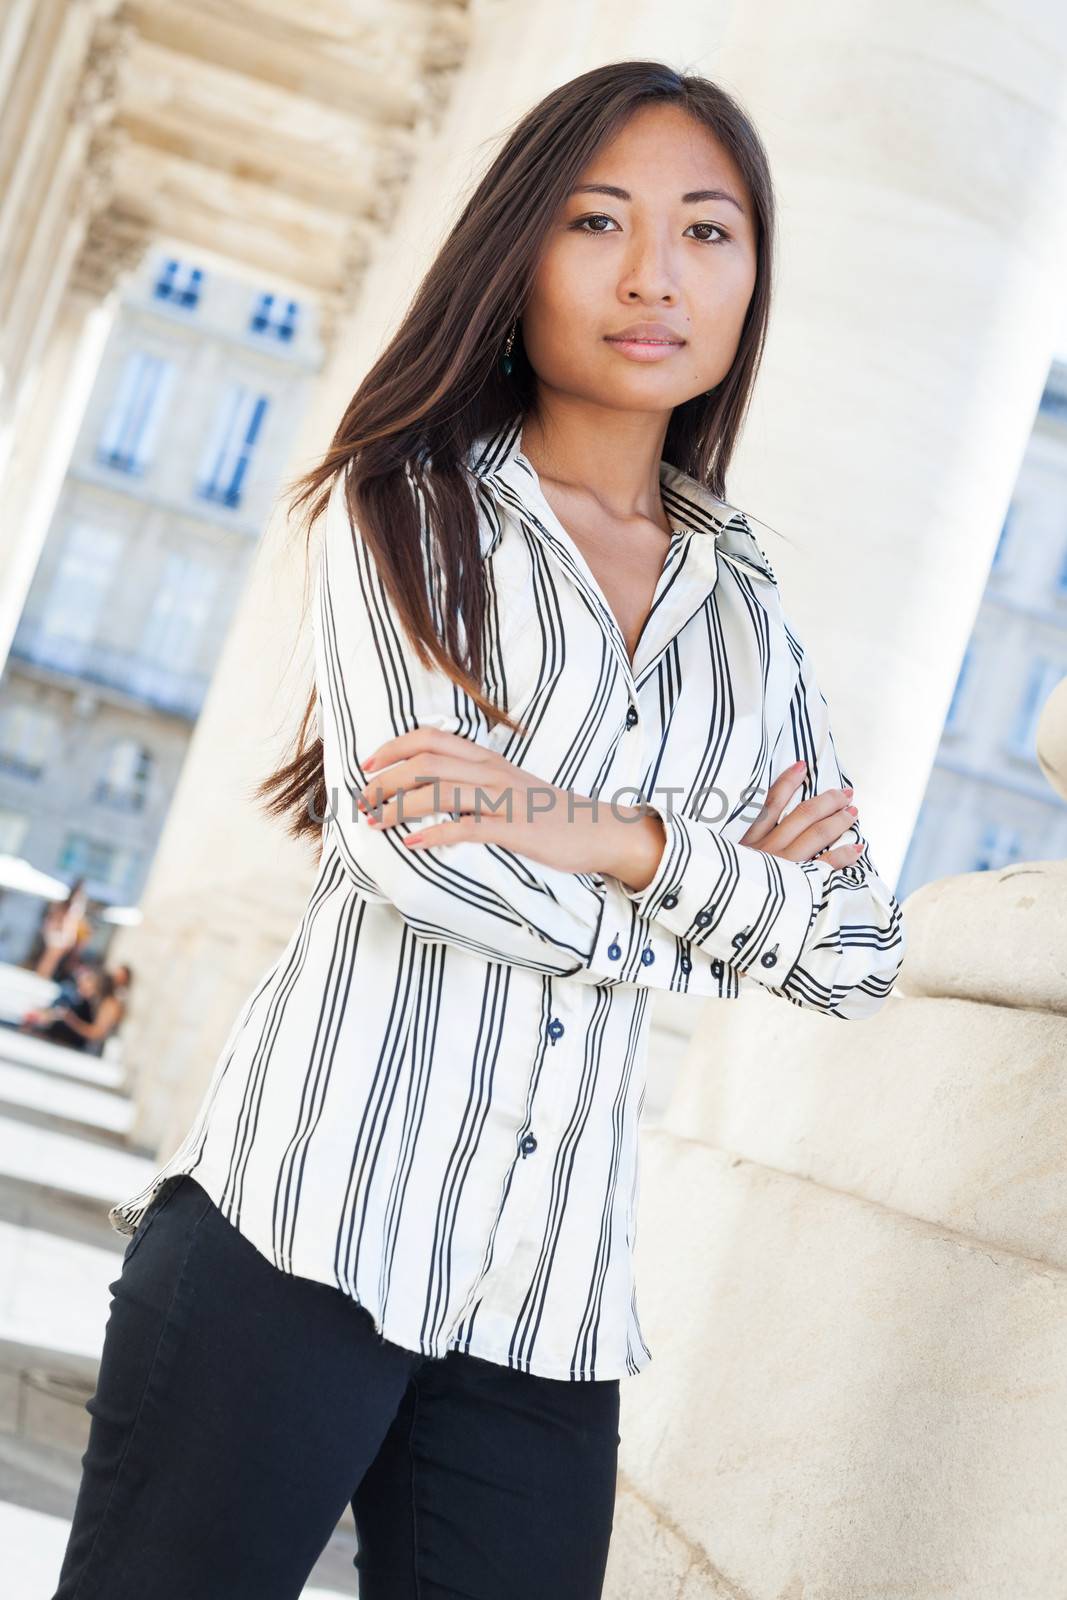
x=850 y=1264
x=61 y=62
x=64 y=245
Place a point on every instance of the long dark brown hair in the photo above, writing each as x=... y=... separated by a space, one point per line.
x=439 y=383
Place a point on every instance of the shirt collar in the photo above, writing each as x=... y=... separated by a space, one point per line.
x=496 y=459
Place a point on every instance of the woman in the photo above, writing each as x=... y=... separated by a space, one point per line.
x=391 y=1262
x=94 y=1028
x=70 y=1021
x=64 y=929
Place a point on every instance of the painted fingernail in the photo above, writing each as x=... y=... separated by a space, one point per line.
x=853 y=810
x=414 y=838
x=367 y=765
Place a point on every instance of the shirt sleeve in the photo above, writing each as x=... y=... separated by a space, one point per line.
x=479 y=896
x=827 y=938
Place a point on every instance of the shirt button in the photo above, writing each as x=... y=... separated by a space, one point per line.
x=528 y=1145
x=716 y=968
x=685 y=964
x=670 y=900
x=555 y=1029
x=769 y=957
x=739 y=938
x=614 y=950
x=703 y=918
x=631 y=716
x=648 y=955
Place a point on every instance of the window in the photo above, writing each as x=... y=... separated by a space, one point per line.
x=104 y=864
x=1043 y=678
x=14 y=826
x=82 y=582
x=953 y=718
x=180 y=609
x=999 y=845
x=26 y=735
x=124 y=778
x=224 y=469
x=998 y=554
x=179 y=284
x=131 y=427
x=274 y=317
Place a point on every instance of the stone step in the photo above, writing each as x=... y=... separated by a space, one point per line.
x=31 y=1098
x=23 y=1049
x=65 y=1162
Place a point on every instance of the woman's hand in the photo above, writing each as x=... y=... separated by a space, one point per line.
x=427 y=770
x=809 y=828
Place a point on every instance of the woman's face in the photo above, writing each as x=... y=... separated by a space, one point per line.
x=611 y=261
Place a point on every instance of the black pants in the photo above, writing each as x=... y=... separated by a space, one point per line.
x=239 y=1409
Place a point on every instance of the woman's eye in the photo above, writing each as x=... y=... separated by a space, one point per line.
x=580 y=227
x=723 y=236
x=599 y=217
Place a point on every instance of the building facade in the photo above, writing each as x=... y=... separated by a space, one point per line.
x=987 y=803
x=176 y=466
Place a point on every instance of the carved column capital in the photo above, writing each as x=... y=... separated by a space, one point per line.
x=339 y=301
x=101 y=159
x=97 y=92
x=115 y=244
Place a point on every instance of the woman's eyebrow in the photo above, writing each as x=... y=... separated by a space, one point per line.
x=689 y=198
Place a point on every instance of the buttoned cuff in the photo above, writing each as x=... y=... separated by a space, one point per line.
x=735 y=902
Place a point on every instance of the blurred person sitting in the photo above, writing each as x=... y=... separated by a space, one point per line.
x=110 y=1011
x=61 y=1021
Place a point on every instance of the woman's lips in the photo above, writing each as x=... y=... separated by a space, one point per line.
x=646 y=349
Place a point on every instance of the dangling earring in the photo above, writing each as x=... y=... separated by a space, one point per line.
x=506 y=362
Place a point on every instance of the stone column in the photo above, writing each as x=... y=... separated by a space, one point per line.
x=64 y=245
x=61 y=63
x=850 y=1263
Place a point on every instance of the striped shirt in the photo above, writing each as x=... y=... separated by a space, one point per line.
x=431 y=1099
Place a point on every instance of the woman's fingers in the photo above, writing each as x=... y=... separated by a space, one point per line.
x=391 y=796
x=814 y=840
x=486 y=797
x=777 y=795
x=423 y=739
x=844 y=856
x=809 y=828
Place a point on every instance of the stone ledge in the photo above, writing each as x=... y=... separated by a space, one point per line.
x=842 y=1400
x=994 y=937
x=946 y=1110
